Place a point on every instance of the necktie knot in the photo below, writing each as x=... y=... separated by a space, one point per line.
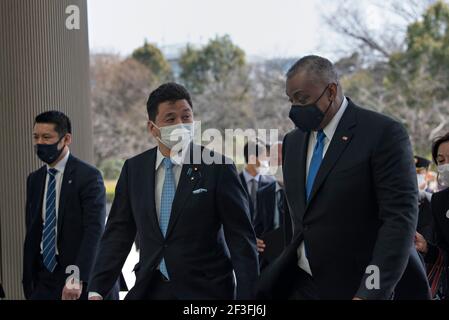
x=52 y=171
x=320 y=136
x=167 y=163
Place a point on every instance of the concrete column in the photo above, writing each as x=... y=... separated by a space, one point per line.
x=43 y=66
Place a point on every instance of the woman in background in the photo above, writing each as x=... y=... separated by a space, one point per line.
x=436 y=254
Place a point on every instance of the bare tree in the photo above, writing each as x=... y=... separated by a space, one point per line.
x=119 y=91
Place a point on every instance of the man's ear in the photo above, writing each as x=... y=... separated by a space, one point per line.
x=67 y=139
x=333 y=91
x=151 y=128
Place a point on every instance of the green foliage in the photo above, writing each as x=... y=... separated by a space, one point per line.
x=214 y=62
x=110 y=190
x=152 y=57
x=111 y=168
x=422 y=70
x=412 y=85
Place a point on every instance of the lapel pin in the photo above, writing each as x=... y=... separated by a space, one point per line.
x=345 y=138
x=70 y=181
x=196 y=169
x=192 y=178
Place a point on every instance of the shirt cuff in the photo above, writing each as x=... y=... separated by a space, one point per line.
x=94 y=294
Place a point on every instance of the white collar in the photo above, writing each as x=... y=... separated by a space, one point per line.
x=249 y=177
x=160 y=157
x=60 y=166
x=278 y=186
x=331 y=127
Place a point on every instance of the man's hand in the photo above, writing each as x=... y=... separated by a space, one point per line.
x=260 y=245
x=420 y=243
x=95 y=298
x=357 y=299
x=72 y=289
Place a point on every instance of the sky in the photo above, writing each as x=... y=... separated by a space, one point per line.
x=262 y=28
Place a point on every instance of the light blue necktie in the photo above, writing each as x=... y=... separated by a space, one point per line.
x=168 y=194
x=49 y=232
x=315 y=163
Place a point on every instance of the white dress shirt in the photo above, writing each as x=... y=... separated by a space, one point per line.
x=60 y=166
x=329 y=131
x=277 y=217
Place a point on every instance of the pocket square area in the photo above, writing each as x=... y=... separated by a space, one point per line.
x=197 y=191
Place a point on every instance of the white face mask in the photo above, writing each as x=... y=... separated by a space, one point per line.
x=443 y=177
x=277 y=173
x=178 y=135
x=264 y=168
x=421 y=181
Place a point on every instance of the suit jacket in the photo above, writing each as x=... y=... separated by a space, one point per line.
x=425 y=221
x=440 y=213
x=276 y=241
x=193 y=249
x=362 y=210
x=81 y=219
x=266 y=204
x=264 y=181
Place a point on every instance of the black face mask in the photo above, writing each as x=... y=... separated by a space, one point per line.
x=308 y=117
x=48 y=153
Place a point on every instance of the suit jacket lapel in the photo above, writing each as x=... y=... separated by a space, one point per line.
x=66 y=188
x=188 y=180
x=243 y=181
x=340 y=141
x=269 y=221
x=147 y=187
x=296 y=197
x=39 y=189
x=302 y=170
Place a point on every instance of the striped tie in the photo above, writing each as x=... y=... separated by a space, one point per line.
x=168 y=194
x=49 y=232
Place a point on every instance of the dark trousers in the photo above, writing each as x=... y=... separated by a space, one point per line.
x=49 y=285
x=160 y=288
x=302 y=286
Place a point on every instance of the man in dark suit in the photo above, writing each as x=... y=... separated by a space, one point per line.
x=177 y=209
x=65 y=215
x=255 y=174
x=350 y=183
x=273 y=223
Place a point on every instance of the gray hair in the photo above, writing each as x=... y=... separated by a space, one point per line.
x=315 y=66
